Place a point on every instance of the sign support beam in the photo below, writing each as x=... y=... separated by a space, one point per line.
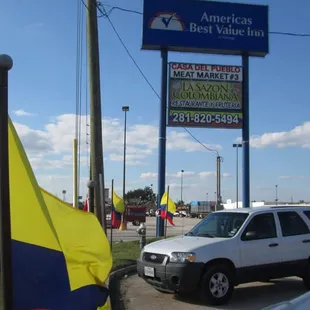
x=160 y=227
x=6 y=273
x=246 y=133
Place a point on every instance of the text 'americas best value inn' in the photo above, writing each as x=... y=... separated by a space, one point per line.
x=220 y=28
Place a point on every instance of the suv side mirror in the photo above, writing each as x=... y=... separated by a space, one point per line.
x=250 y=235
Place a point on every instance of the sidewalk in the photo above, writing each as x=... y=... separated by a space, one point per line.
x=137 y=295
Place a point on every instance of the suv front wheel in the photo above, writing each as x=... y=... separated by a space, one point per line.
x=217 y=285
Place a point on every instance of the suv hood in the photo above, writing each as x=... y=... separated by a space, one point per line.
x=180 y=244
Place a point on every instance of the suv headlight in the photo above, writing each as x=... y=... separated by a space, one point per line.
x=182 y=257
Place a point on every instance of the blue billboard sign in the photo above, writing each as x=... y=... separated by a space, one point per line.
x=200 y=26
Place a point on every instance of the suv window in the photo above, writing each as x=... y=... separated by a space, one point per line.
x=262 y=226
x=219 y=224
x=292 y=224
x=307 y=214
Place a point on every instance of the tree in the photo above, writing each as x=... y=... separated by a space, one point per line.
x=141 y=196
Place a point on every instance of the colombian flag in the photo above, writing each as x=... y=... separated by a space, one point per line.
x=61 y=256
x=168 y=208
x=118 y=207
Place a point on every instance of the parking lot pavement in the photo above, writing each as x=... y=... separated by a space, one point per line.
x=182 y=225
x=138 y=295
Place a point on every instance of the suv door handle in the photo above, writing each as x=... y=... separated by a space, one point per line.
x=306 y=241
x=272 y=245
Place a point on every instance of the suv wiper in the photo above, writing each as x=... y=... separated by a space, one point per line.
x=205 y=235
x=190 y=234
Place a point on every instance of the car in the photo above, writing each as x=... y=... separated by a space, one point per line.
x=300 y=303
x=228 y=248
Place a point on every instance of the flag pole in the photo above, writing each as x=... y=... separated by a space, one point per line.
x=166 y=224
x=6 y=64
x=102 y=201
x=112 y=205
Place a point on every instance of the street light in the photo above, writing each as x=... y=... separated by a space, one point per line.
x=64 y=195
x=207 y=196
x=237 y=172
x=124 y=109
x=276 y=195
x=182 y=171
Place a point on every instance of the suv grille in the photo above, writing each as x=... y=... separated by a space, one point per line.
x=154 y=258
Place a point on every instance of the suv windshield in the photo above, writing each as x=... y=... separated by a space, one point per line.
x=221 y=225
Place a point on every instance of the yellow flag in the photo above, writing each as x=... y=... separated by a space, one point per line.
x=171 y=205
x=118 y=203
x=105 y=307
x=61 y=256
x=85 y=246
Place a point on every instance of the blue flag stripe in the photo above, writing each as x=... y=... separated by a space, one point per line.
x=40 y=280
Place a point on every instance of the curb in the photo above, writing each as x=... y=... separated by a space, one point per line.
x=115 y=300
x=119 y=273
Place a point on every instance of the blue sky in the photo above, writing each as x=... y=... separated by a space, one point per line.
x=40 y=35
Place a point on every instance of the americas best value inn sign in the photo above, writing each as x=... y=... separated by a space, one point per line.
x=205 y=27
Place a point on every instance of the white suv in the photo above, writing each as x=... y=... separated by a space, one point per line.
x=228 y=248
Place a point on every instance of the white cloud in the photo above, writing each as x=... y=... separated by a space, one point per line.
x=177 y=185
x=148 y=175
x=23 y=113
x=182 y=141
x=64 y=162
x=291 y=177
x=207 y=174
x=56 y=183
x=131 y=159
x=153 y=175
x=142 y=140
x=297 y=137
x=211 y=174
x=186 y=174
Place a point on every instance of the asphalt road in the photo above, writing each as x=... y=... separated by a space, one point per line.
x=182 y=225
x=137 y=295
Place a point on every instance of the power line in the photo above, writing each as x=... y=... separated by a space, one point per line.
x=129 y=54
x=213 y=151
x=112 y=8
x=104 y=13
x=87 y=8
x=84 y=4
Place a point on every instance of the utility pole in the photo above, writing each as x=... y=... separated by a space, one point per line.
x=96 y=152
x=237 y=145
x=218 y=181
x=182 y=171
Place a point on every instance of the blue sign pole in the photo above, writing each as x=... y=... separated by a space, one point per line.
x=162 y=139
x=246 y=133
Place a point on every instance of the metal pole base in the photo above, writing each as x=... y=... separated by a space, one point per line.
x=123 y=226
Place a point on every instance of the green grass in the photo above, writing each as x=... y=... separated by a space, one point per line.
x=126 y=253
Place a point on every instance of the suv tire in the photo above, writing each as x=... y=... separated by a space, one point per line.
x=217 y=285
